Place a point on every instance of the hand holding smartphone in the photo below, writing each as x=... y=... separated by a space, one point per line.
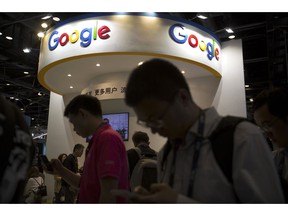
x=46 y=163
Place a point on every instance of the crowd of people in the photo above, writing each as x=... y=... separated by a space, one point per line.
x=188 y=166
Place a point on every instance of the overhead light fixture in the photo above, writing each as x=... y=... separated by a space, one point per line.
x=46 y=17
x=246 y=86
x=26 y=50
x=26 y=72
x=140 y=63
x=97 y=65
x=71 y=87
x=231 y=37
x=44 y=25
x=201 y=16
x=0 y=33
x=40 y=34
x=69 y=75
x=183 y=72
x=251 y=100
x=57 y=19
x=229 y=30
x=9 y=38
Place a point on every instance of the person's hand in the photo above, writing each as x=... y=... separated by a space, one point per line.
x=159 y=193
x=56 y=165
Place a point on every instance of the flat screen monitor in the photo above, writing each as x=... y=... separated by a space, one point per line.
x=120 y=123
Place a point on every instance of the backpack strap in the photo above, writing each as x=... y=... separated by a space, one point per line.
x=138 y=151
x=37 y=181
x=222 y=141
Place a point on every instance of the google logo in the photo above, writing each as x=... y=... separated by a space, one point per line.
x=85 y=35
x=193 y=41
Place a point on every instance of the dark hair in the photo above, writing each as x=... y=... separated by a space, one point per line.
x=78 y=147
x=276 y=100
x=140 y=136
x=155 y=78
x=86 y=102
x=60 y=157
x=33 y=172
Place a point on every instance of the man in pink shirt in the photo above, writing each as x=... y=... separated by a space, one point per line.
x=106 y=165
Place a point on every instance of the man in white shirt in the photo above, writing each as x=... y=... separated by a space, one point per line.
x=189 y=173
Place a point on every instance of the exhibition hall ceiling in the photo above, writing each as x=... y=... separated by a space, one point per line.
x=264 y=39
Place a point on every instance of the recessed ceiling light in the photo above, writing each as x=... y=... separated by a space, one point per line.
x=40 y=34
x=69 y=75
x=9 y=38
x=251 y=100
x=26 y=72
x=26 y=50
x=71 y=87
x=46 y=17
x=44 y=25
x=8 y=84
x=246 y=86
x=140 y=63
x=202 y=17
x=231 y=37
x=229 y=30
x=98 y=65
x=0 y=33
x=57 y=19
x=183 y=72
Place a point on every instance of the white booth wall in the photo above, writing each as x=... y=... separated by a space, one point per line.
x=227 y=95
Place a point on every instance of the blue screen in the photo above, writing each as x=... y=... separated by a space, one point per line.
x=120 y=123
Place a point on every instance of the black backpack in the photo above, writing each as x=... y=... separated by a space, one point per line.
x=222 y=139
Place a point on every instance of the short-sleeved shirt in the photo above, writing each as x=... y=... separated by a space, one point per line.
x=105 y=157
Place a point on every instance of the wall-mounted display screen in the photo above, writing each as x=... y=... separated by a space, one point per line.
x=119 y=122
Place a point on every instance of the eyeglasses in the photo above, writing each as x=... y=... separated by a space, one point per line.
x=266 y=126
x=157 y=123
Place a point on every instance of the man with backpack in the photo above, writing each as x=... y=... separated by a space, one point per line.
x=142 y=161
x=190 y=167
x=71 y=163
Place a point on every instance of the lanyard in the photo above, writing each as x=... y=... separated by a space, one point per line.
x=197 y=146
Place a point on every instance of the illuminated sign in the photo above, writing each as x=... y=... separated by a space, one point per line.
x=180 y=35
x=86 y=35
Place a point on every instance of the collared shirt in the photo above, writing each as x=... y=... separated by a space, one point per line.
x=105 y=156
x=254 y=174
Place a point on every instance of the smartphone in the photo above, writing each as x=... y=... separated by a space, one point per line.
x=46 y=162
x=124 y=193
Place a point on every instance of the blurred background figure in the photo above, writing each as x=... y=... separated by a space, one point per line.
x=58 y=191
x=35 y=179
x=16 y=153
x=71 y=163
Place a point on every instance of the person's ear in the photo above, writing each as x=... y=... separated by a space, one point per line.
x=82 y=113
x=184 y=96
